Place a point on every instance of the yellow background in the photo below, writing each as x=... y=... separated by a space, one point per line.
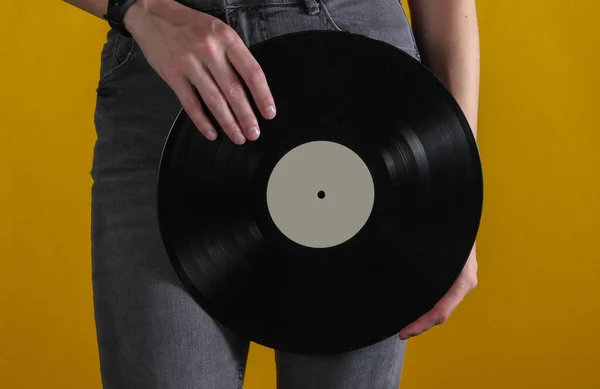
x=533 y=322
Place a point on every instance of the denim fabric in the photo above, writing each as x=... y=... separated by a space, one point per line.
x=151 y=334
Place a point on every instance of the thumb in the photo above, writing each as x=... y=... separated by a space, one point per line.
x=437 y=315
x=423 y=323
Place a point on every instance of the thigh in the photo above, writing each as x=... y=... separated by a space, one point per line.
x=150 y=332
x=378 y=366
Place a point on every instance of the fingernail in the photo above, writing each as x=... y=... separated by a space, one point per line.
x=271 y=111
x=239 y=138
x=254 y=133
x=211 y=135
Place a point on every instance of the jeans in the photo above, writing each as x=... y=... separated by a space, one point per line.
x=150 y=332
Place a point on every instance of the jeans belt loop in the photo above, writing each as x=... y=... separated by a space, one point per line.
x=312 y=7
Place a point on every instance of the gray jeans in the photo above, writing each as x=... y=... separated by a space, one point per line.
x=150 y=332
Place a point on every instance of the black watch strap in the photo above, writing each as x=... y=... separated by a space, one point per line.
x=114 y=14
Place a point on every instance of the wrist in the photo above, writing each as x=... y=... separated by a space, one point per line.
x=141 y=9
x=133 y=14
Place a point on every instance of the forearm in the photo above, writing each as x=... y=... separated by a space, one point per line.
x=447 y=34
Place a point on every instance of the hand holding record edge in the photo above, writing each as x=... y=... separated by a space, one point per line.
x=440 y=313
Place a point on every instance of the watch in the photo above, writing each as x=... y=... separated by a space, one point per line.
x=114 y=14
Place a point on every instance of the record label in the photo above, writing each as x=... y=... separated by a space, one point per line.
x=320 y=194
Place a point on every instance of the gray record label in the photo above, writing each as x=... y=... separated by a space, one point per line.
x=320 y=194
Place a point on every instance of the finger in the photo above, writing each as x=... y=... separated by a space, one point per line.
x=234 y=92
x=215 y=101
x=251 y=72
x=422 y=324
x=437 y=315
x=191 y=104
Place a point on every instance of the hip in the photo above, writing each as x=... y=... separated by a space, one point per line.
x=135 y=108
x=258 y=20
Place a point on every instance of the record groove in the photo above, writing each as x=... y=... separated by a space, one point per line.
x=400 y=121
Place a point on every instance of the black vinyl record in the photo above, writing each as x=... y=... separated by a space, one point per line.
x=351 y=215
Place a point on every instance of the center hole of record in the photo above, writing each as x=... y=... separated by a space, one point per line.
x=321 y=194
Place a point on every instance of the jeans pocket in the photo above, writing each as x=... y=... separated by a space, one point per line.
x=272 y=18
x=116 y=53
x=383 y=20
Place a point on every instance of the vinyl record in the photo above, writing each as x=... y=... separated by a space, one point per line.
x=351 y=215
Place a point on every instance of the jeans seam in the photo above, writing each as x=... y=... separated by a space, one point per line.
x=115 y=50
x=258 y=4
x=328 y=16
x=242 y=368
x=412 y=35
x=131 y=54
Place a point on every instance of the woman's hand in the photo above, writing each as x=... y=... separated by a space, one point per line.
x=188 y=49
x=466 y=282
